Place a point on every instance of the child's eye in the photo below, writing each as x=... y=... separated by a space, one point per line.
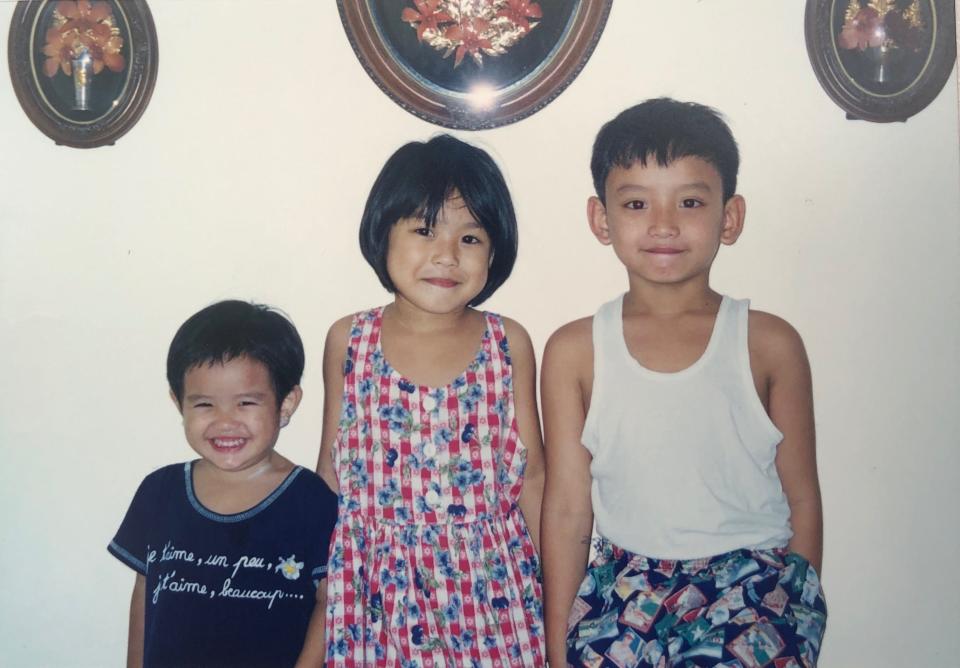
x=690 y=203
x=636 y=204
x=202 y=404
x=424 y=231
x=472 y=240
x=249 y=402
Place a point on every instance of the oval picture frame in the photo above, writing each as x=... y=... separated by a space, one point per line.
x=881 y=60
x=83 y=70
x=473 y=66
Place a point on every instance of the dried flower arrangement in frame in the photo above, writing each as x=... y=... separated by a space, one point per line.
x=881 y=60
x=473 y=64
x=83 y=70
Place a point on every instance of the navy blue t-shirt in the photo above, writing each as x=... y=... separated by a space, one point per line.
x=226 y=590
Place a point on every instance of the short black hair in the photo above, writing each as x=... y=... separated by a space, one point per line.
x=416 y=181
x=231 y=329
x=665 y=130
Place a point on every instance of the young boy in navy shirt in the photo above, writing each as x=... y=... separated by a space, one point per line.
x=230 y=549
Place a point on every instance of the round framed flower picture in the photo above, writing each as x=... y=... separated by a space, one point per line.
x=473 y=64
x=83 y=70
x=881 y=60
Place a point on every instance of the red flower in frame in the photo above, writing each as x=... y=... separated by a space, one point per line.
x=59 y=52
x=86 y=18
x=864 y=29
x=519 y=11
x=470 y=36
x=426 y=16
x=83 y=24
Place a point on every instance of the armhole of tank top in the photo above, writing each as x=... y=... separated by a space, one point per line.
x=752 y=397
x=588 y=437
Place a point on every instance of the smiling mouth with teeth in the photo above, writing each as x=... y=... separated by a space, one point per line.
x=227 y=443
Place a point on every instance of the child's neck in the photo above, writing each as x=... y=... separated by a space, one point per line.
x=230 y=492
x=430 y=349
x=667 y=300
x=418 y=321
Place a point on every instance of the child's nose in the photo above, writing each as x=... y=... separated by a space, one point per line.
x=226 y=418
x=664 y=224
x=445 y=252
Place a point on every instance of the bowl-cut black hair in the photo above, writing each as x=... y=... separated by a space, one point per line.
x=416 y=181
x=665 y=130
x=231 y=329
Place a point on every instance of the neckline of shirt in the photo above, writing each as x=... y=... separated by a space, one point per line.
x=459 y=380
x=234 y=517
x=705 y=356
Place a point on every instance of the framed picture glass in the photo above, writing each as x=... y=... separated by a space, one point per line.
x=473 y=64
x=881 y=60
x=83 y=70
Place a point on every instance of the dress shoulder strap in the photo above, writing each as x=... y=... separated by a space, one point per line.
x=364 y=336
x=497 y=333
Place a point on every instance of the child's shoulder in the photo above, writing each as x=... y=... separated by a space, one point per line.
x=514 y=331
x=575 y=336
x=315 y=486
x=340 y=329
x=340 y=333
x=773 y=341
x=569 y=350
x=166 y=475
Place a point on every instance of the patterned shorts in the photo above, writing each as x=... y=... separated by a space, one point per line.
x=743 y=609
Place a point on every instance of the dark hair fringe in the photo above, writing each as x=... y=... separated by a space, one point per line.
x=665 y=130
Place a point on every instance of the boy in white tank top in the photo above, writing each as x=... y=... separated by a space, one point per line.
x=682 y=422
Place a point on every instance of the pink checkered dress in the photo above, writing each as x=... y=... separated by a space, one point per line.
x=431 y=563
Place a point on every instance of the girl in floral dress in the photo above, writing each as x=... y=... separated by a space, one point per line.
x=431 y=431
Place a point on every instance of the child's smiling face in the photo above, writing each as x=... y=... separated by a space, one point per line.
x=439 y=269
x=231 y=416
x=666 y=223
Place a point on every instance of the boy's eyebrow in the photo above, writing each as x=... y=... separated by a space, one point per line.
x=252 y=395
x=693 y=185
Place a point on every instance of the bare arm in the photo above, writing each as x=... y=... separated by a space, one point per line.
x=524 y=365
x=314 y=651
x=135 y=631
x=790 y=405
x=334 y=355
x=567 y=516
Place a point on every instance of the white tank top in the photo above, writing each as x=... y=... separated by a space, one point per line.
x=683 y=463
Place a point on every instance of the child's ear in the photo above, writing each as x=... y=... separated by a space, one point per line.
x=173 y=398
x=734 y=211
x=289 y=404
x=597 y=217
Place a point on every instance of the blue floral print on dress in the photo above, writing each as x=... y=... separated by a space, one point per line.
x=442 y=436
x=464 y=475
x=364 y=388
x=397 y=417
x=389 y=493
x=452 y=611
x=348 y=362
x=450 y=516
x=358 y=472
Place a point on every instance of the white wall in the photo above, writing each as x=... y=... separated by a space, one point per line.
x=248 y=181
